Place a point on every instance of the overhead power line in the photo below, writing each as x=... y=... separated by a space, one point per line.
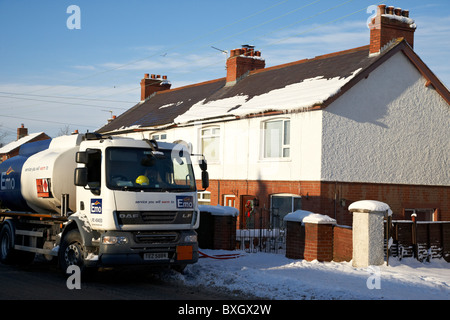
x=170 y=49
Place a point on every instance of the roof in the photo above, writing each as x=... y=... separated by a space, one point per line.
x=298 y=86
x=16 y=144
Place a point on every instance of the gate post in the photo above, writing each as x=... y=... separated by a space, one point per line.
x=368 y=232
x=309 y=236
x=217 y=228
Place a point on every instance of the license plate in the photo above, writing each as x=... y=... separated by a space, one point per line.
x=156 y=256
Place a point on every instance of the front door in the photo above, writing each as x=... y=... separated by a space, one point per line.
x=247 y=213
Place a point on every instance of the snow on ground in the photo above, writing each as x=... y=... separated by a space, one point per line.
x=273 y=276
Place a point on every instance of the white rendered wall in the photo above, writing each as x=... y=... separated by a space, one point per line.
x=241 y=145
x=388 y=128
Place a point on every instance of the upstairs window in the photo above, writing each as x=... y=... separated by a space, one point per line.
x=210 y=143
x=159 y=136
x=277 y=138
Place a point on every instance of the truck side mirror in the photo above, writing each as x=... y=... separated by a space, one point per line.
x=203 y=165
x=205 y=179
x=81 y=157
x=81 y=177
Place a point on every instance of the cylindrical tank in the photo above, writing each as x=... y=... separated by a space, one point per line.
x=10 y=173
x=44 y=177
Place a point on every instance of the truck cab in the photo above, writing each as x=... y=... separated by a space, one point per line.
x=139 y=200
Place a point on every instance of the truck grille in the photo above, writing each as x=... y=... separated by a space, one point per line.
x=158 y=217
x=155 y=237
x=154 y=217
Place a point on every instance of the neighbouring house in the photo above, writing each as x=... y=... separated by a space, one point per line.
x=318 y=134
x=12 y=148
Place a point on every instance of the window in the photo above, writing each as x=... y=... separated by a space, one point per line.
x=204 y=197
x=210 y=143
x=229 y=200
x=281 y=205
x=422 y=214
x=277 y=136
x=94 y=168
x=147 y=170
x=158 y=136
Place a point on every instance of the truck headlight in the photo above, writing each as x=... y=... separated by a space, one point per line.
x=190 y=238
x=114 y=240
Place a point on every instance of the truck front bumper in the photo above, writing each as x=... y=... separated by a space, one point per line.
x=159 y=248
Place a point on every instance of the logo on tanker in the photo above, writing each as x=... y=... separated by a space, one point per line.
x=96 y=206
x=185 y=202
x=6 y=182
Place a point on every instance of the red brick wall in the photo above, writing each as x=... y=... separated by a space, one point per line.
x=295 y=241
x=224 y=233
x=342 y=243
x=333 y=198
x=318 y=242
x=309 y=241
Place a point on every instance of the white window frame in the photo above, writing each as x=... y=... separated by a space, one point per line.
x=212 y=134
x=202 y=199
x=282 y=195
x=227 y=198
x=158 y=136
x=284 y=148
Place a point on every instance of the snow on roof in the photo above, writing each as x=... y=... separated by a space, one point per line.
x=308 y=217
x=219 y=210
x=370 y=206
x=16 y=144
x=301 y=95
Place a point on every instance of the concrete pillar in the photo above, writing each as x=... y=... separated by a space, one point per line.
x=368 y=232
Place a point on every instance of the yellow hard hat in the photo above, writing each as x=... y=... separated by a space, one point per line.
x=142 y=180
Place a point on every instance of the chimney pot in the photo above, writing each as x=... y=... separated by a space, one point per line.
x=238 y=64
x=146 y=76
x=152 y=85
x=22 y=131
x=385 y=29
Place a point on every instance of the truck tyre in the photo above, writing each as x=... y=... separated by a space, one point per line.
x=71 y=251
x=6 y=244
x=9 y=255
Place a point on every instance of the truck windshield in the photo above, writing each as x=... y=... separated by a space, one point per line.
x=147 y=170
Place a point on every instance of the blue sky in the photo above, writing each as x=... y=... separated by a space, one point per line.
x=53 y=77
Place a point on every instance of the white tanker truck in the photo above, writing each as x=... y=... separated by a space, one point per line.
x=97 y=201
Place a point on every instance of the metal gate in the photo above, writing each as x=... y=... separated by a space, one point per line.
x=264 y=231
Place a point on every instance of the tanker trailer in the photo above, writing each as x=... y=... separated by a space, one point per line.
x=96 y=201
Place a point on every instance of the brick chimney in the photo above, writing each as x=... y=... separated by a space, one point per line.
x=22 y=132
x=389 y=24
x=242 y=61
x=152 y=84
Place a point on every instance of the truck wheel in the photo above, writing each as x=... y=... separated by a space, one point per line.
x=9 y=255
x=6 y=244
x=71 y=251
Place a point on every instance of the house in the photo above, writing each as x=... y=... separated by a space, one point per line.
x=12 y=149
x=366 y=123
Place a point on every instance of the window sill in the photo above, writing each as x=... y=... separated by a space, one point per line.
x=275 y=160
